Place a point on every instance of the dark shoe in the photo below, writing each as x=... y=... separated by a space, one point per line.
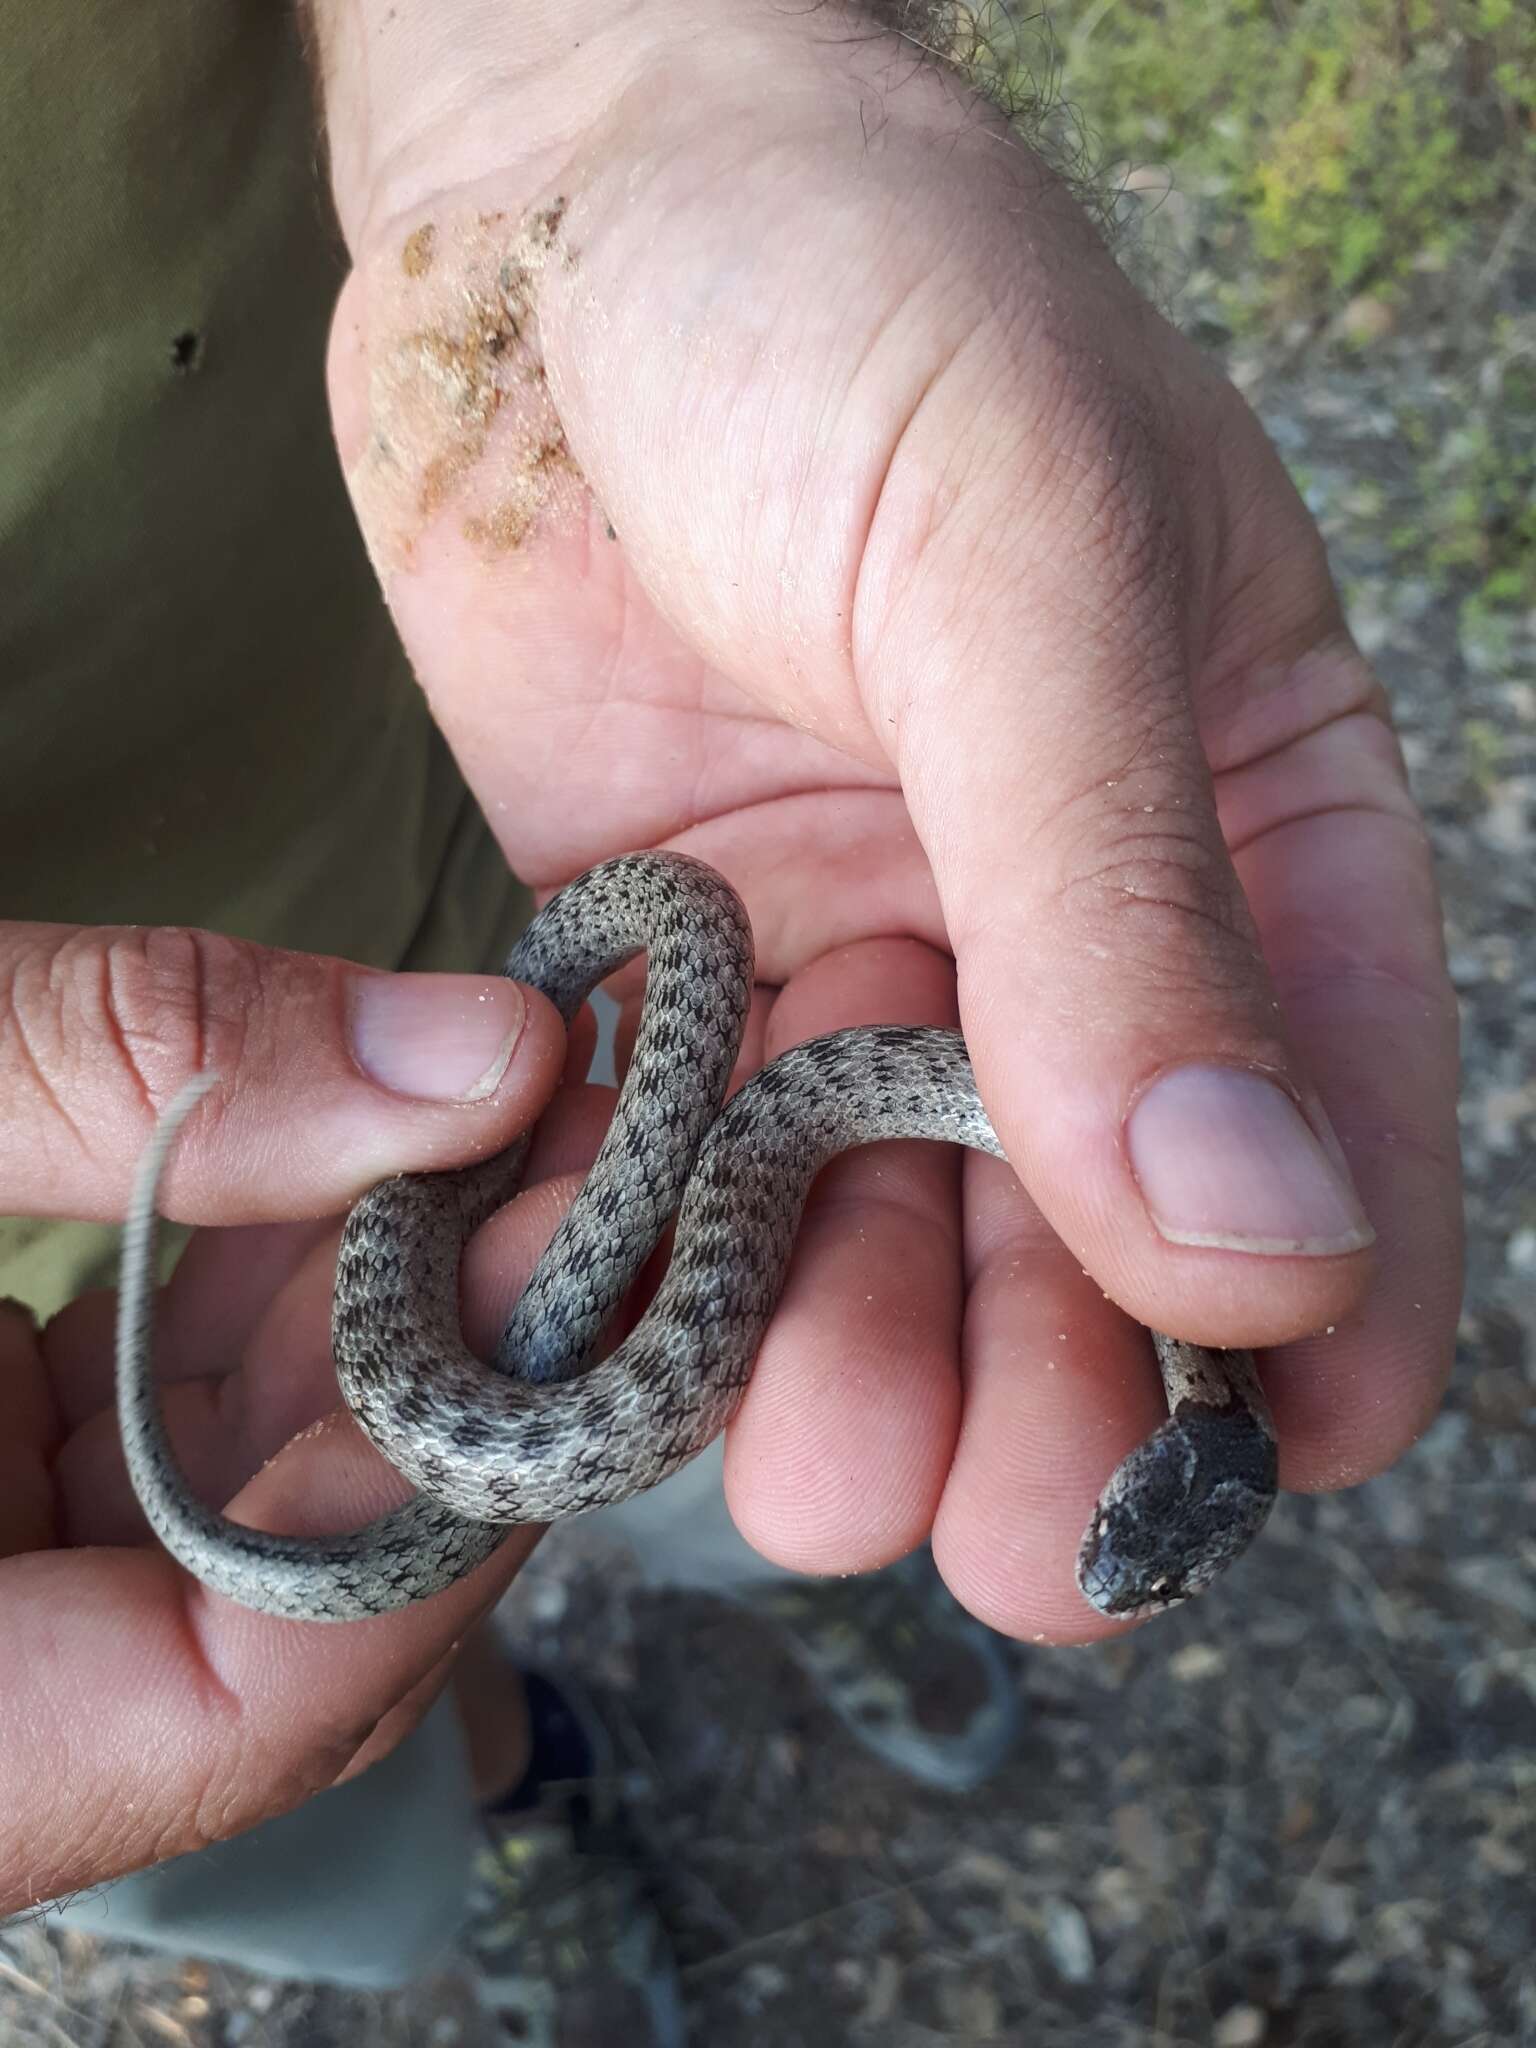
x=570 y=1948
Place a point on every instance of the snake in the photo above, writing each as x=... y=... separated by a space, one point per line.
x=553 y=1426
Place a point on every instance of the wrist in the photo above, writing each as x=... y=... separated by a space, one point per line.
x=427 y=96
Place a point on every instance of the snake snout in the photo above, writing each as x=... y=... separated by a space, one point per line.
x=1178 y=1511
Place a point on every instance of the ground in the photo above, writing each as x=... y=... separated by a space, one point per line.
x=1301 y=1811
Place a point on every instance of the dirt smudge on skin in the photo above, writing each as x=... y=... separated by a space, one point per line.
x=460 y=412
x=416 y=256
x=509 y=522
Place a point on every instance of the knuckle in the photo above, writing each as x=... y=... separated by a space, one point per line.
x=174 y=1000
x=102 y=1015
x=99 y=1029
x=1158 y=896
x=1039 y=454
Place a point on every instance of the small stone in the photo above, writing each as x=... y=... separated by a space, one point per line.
x=764 y=1980
x=884 y=1992
x=1503 y=1114
x=1330 y=1910
x=1117 y=1899
x=1069 y=1941
x=1354 y=1971
x=1241 y=2026
x=549 y=1597
x=972 y=2009
x=1498 y=1580
x=1501 y=1857
x=1144 y=1842
x=1196 y=1661
x=981 y=1867
x=1366 y=320
x=1298 y=1820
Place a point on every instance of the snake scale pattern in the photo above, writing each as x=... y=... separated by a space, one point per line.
x=543 y=1433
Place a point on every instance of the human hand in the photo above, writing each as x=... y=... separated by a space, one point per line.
x=763 y=458
x=141 y=1716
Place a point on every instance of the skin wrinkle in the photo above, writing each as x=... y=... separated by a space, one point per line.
x=861 y=531
x=109 y=1822
x=1387 y=796
x=224 y=1807
x=1282 y=696
x=1308 y=814
x=1226 y=969
x=1143 y=895
x=1325 y=977
x=1260 y=556
x=1132 y=792
x=1119 y=510
x=18 y=1018
x=114 y=1030
x=905 y=554
x=900 y=1201
x=1131 y=573
x=180 y=998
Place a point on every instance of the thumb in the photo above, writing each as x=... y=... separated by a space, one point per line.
x=1126 y=1034
x=336 y=1075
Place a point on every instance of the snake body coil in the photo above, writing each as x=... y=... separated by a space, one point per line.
x=544 y=1434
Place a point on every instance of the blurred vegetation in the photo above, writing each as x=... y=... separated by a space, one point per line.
x=1478 y=484
x=1350 y=167
x=1359 y=141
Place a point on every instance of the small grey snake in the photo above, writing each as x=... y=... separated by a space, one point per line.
x=543 y=1433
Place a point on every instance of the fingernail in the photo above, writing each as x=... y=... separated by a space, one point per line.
x=441 y=1037
x=1226 y=1158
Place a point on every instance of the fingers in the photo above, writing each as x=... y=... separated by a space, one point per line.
x=142 y=1717
x=978 y=1388
x=1113 y=986
x=28 y=1519
x=1058 y=1388
x=1347 y=902
x=242 y=1339
x=838 y=1455
x=331 y=1075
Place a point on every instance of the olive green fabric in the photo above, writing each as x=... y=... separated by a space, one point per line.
x=205 y=717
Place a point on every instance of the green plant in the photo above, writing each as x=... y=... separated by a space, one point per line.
x=1356 y=140
x=1478 y=482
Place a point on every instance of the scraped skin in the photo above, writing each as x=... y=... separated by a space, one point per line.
x=463 y=358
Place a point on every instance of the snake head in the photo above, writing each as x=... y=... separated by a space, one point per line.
x=1178 y=1510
